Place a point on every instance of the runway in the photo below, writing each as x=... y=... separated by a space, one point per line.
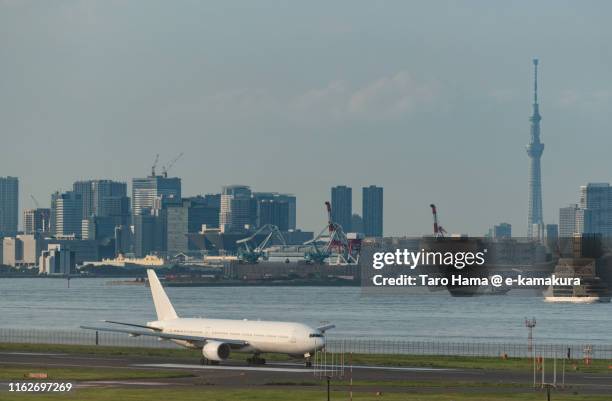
x=277 y=367
x=238 y=374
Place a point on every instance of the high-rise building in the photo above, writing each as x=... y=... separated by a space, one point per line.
x=552 y=232
x=502 y=230
x=357 y=223
x=36 y=221
x=567 y=221
x=85 y=191
x=213 y=200
x=372 y=210
x=147 y=191
x=188 y=217
x=177 y=228
x=145 y=234
x=66 y=214
x=95 y=193
x=11 y=251
x=9 y=204
x=203 y=211
x=274 y=208
x=105 y=207
x=98 y=227
x=235 y=212
x=21 y=250
x=117 y=207
x=534 y=151
x=57 y=260
x=275 y=212
x=595 y=209
x=342 y=206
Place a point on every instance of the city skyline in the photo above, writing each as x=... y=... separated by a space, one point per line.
x=194 y=85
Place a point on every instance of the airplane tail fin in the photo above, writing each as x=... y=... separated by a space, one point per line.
x=163 y=307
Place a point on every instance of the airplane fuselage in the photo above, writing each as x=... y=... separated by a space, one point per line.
x=261 y=336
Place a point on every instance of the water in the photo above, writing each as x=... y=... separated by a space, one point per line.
x=49 y=304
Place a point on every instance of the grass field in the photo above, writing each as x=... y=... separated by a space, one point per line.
x=434 y=361
x=289 y=394
x=310 y=389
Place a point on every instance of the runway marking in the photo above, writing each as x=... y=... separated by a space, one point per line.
x=120 y=382
x=287 y=370
x=221 y=367
x=398 y=368
x=31 y=353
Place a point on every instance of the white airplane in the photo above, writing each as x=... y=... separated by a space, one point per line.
x=217 y=337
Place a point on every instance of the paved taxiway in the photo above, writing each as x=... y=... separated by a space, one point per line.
x=237 y=374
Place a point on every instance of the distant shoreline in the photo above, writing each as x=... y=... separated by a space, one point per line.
x=229 y=283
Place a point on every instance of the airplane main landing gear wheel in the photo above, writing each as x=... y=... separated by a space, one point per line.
x=308 y=360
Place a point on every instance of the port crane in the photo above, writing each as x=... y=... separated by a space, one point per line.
x=251 y=254
x=332 y=244
x=439 y=231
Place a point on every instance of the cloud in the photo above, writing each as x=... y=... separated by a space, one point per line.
x=387 y=97
x=384 y=98
x=598 y=100
x=504 y=95
x=392 y=96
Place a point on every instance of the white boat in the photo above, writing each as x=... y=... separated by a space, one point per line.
x=590 y=290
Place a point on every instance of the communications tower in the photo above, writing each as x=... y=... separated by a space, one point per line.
x=534 y=151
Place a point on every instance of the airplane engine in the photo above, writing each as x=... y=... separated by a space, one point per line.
x=216 y=351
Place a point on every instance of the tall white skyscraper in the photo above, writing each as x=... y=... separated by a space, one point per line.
x=66 y=214
x=146 y=191
x=568 y=224
x=235 y=210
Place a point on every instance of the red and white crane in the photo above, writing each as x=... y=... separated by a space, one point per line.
x=439 y=231
x=333 y=245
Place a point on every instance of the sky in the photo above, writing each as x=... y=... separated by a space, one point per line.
x=429 y=99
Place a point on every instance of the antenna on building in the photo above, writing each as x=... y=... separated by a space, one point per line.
x=535 y=80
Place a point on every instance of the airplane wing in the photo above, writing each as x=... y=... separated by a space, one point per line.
x=169 y=336
x=323 y=329
x=142 y=326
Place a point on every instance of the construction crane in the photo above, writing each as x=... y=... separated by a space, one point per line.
x=35 y=201
x=154 y=165
x=439 y=231
x=166 y=168
x=249 y=254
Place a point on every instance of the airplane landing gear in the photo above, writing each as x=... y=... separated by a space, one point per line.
x=204 y=362
x=308 y=360
x=256 y=360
